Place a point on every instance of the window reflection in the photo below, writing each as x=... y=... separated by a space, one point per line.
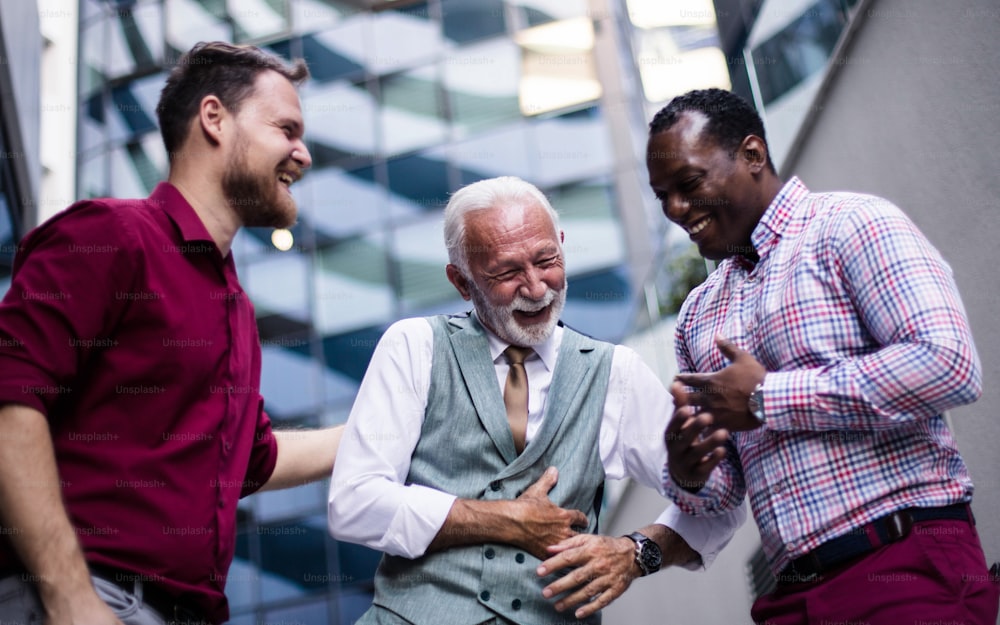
x=277 y=283
x=293 y=561
x=677 y=47
x=135 y=41
x=316 y=15
x=481 y=82
x=571 y=146
x=587 y=216
x=797 y=51
x=557 y=66
x=402 y=38
x=470 y=20
x=191 y=21
x=341 y=118
x=411 y=111
x=341 y=204
x=256 y=19
x=93 y=40
x=420 y=258
x=535 y=12
x=504 y=152
x=352 y=286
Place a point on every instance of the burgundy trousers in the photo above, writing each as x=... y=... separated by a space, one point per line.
x=936 y=575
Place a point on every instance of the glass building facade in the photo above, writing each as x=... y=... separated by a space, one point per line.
x=778 y=52
x=20 y=169
x=408 y=101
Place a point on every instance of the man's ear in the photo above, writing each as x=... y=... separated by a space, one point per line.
x=211 y=114
x=460 y=281
x=753 y=151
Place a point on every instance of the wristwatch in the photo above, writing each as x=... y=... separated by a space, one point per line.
x=647 y=553
x=756 y=403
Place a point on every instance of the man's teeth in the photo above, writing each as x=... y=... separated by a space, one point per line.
x=701 y=225
x=285 y=178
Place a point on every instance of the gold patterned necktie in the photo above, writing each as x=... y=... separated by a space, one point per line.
x=515 y=394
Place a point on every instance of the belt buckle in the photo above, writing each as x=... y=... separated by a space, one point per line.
x=898 y=525
x=800 y=576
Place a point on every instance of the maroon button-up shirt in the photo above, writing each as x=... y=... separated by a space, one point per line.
x=127 y=328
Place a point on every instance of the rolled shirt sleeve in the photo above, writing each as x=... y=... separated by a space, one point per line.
x=369 y=502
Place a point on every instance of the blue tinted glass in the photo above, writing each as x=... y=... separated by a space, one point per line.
x=469 y=20
x=798 y=51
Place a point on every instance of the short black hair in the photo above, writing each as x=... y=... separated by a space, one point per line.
x=220 y=68
x=730 y=118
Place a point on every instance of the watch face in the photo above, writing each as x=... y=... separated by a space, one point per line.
x=651 y=556
x=756 y=404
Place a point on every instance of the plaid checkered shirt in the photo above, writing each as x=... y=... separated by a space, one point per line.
x=858 y=321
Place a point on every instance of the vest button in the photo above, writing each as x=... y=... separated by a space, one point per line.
x=520 y=558
x=516 y=604
x=495 y=485
x=485 y=595
x=489 y=553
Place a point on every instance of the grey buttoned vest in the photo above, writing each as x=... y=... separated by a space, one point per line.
x=466 y=449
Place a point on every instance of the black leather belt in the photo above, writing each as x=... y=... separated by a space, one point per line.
x=861 y=540
x=155 y=597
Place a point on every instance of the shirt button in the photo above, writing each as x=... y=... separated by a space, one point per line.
x=520 y=558
x=495 y=485
x=489 y=553
x=516 y=604
x=485 y=595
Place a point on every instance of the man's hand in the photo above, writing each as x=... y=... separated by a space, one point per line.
x=603 y=568
x=694 y=446
x=85 y=609
x=724 y=394
x=540 y=522
x=531 y=522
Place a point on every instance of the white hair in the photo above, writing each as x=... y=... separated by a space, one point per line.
x=503 y=192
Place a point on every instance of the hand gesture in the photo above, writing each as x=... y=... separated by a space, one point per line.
x=540 y=522
x=724 y=394
x=694 y=445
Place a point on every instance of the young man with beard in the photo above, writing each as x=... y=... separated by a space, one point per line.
x=131 y=418
x=829 y=341
x=485 y=500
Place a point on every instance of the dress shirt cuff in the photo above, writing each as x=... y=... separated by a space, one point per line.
x=790 y=400
x=417 y=521
x=706 y=535
x=702 y=503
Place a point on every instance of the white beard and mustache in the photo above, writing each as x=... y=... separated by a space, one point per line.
x=501 y=320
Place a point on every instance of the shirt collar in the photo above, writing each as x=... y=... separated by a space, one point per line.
x=778 y=215
x=177 y=208
x=547 y=351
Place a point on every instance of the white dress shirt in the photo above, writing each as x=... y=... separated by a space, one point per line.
x=369 y=501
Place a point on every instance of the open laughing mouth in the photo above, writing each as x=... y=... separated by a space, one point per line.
x=698 y=226
x=288 y=179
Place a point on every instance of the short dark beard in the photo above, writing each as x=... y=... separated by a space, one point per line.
x=254 y=200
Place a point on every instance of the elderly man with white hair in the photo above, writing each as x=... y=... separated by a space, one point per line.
x=483 y=491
